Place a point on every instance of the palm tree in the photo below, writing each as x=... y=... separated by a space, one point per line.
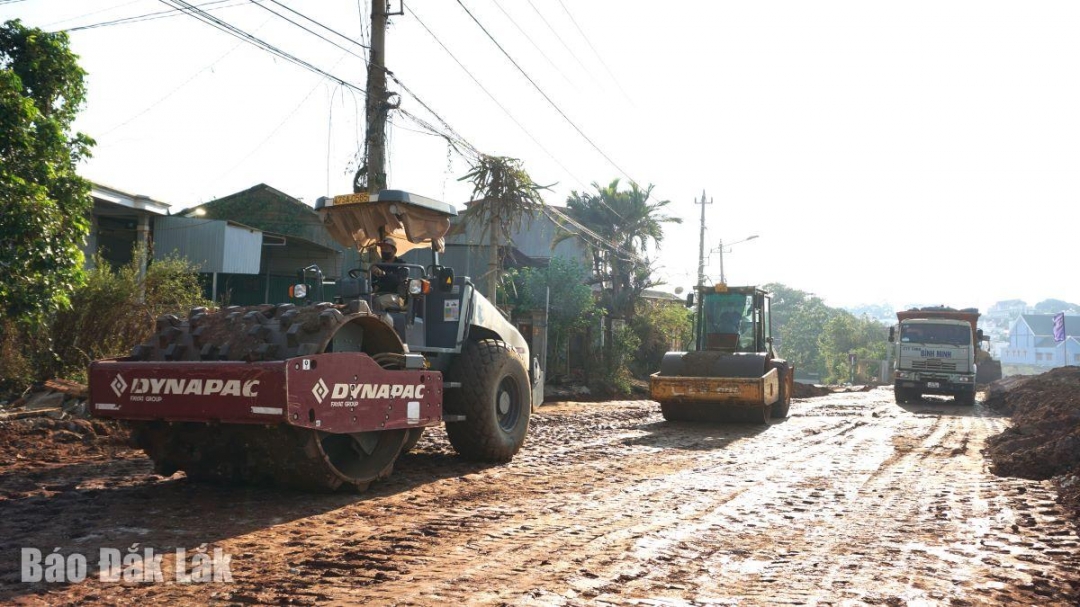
x=626 y=223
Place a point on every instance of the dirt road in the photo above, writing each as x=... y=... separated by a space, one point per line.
x=853 y=500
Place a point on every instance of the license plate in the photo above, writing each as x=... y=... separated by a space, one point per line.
x=933 y=384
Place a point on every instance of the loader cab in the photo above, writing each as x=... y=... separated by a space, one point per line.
x=733 y=319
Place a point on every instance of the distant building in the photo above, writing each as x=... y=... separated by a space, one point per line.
x=1031 y=342
x=118 y=222
x=468 y=246
x=250 y=245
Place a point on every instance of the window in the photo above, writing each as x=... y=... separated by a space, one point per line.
x=927 y=333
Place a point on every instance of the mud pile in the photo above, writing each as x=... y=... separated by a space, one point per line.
x=809 y=390
x=813 y=390
x=47 y=428
x=52 y=440
x=1044 y=441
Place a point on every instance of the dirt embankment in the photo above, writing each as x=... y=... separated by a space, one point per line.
x=1044 y=440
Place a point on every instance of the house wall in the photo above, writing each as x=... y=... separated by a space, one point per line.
x=212 y=245
x=1027 y=348
x=1021 y=350
x=1067 y=353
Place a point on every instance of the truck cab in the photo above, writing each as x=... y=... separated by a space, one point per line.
x=933 y=356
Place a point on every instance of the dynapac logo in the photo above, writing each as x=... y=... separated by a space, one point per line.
x=366 y=391
x=197 y=387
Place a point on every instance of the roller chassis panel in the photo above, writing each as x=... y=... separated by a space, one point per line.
x=721 y=391
x=344 y=392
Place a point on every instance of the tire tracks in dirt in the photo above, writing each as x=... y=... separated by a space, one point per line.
x=852 y=500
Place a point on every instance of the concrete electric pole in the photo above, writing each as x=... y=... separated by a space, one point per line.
x=378 y=100
x=701 y=243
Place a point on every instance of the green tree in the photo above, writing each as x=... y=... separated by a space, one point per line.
x=786 y=301
x=505 y=196
x=661 y=327
x=845 y=334
x=799 y=338
x=798 y=318
x=628 y=222
x=44 y=204
x=571 y=306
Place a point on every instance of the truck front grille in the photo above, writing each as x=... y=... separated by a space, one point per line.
x=933 y=364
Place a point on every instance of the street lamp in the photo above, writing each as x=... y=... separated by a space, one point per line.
x=720 y=249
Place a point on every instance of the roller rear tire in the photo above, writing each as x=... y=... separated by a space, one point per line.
x=781 y=407
x=494 y=397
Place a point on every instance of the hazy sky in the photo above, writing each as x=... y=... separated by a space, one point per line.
x=884 y=152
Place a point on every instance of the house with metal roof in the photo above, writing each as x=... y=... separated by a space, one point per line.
x=251 y=245
x=119 y=223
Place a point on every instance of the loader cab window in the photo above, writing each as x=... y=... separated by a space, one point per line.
x=727 y=321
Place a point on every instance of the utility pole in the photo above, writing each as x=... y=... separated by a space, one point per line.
x=377 y=101
x=723 y=279
x=701 y=242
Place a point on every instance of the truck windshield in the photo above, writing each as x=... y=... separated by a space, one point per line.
x=952 y=335
x=728 y=321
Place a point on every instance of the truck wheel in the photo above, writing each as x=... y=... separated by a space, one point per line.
x=966 y=399
x=903 y=395
x=495 y=399
x=783 y=404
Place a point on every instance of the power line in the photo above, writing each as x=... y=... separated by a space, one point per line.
x=276 y=128
x=174 y=91
x=541 y=91
x=313 y=33
x=601 y=59
x=446 y=124
x=360 y=9
x=536 y=46
x=561 y=41
x=99 y=11
x=452 y=136
x=492 y=97
x=173 y=12
x=232 y=30
x=320 y=24
x=555 y=215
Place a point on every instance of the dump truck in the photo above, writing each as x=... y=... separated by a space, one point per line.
x=733 y=372
x=936 y=351
x=327 y=395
